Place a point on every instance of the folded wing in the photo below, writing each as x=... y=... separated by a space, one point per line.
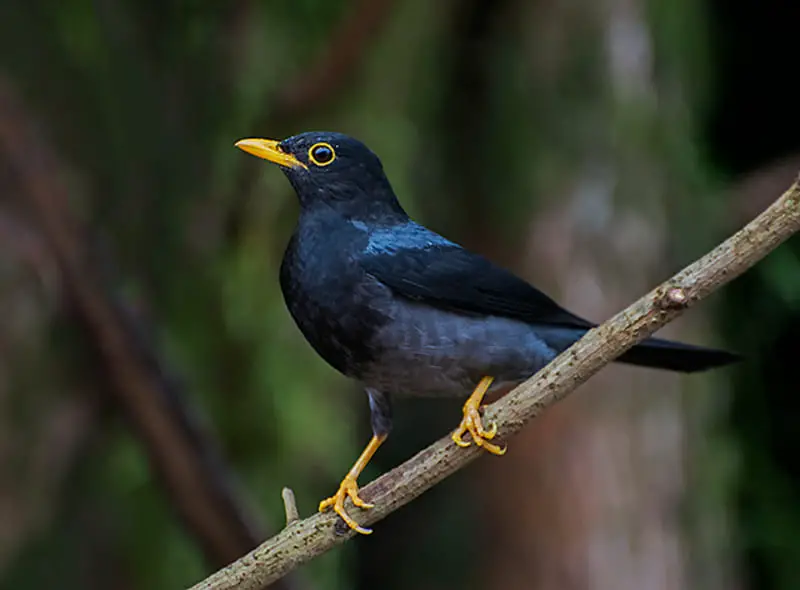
x=447 y=276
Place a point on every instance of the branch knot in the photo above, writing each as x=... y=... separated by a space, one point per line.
x=673 y=298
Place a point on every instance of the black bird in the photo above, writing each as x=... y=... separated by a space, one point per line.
x=406 y=311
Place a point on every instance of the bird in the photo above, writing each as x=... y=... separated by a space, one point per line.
x=407 y=312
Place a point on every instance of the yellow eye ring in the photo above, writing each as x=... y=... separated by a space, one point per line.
x=321 y=154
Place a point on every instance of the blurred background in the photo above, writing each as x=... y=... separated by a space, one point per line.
x=155 y=395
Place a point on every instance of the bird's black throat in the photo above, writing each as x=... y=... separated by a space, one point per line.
x=370 y=199
x=335 y=305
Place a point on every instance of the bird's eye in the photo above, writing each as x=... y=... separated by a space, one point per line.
x=321 y=154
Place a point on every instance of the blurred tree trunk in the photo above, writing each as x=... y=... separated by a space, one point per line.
x=591 y=496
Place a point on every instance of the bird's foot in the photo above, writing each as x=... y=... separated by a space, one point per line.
x=472 y=423
x=348 y=488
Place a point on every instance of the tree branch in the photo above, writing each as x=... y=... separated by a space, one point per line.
x=341 y=56
x=305 y=539
x=180 y=450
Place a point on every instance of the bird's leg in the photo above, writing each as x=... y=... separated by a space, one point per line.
x=381 y=416
x=349 y=488
x=472 y=423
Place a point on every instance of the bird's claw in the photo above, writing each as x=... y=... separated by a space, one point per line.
x=473 y=424
x=347 y=489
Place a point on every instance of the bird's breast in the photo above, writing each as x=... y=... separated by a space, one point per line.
x=335 y=305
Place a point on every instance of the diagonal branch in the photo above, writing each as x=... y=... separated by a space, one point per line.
x=342 y=54
x=303 y=540
x=180 y=450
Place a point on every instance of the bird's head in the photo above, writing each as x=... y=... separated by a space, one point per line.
x=330 y=169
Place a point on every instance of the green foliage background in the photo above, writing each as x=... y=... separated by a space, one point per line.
x=144 y=100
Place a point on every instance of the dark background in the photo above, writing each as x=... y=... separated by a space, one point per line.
x=155 y=396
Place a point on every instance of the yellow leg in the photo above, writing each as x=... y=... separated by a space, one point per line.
x=472 y=423
x=349 y=487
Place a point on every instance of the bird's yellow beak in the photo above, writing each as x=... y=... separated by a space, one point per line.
x=268 y=150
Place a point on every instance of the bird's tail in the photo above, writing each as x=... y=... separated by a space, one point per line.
x=653 y=352
x=676 y=356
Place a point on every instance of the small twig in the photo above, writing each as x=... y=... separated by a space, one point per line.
x=338 y=61
x=290 y=505
x=316 y=535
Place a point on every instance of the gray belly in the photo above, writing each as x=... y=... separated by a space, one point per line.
x=431 y=352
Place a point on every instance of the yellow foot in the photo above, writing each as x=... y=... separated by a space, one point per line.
x=473 y=424
x=348 y=487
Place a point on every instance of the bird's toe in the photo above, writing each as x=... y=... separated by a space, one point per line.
x=347 y=489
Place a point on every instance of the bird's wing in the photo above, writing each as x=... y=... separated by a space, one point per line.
x=430 y=269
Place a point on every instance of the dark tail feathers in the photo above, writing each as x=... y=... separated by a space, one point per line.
x=676 y=356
